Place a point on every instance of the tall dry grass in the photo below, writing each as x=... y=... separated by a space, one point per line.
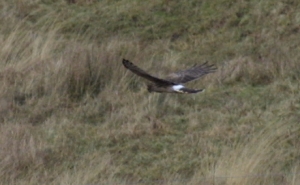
x=72 y=114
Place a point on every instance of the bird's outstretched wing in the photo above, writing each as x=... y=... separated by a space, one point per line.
x=138 y=71
x=191 y=73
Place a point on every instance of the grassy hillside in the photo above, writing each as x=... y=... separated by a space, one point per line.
x=70 y=113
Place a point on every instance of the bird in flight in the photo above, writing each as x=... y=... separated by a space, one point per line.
x=173 y=83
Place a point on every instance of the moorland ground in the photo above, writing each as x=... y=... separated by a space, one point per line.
x=72 y=114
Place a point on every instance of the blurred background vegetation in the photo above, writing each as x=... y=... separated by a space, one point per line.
x=70 y=112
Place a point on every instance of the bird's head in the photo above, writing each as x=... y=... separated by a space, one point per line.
x=150 y=88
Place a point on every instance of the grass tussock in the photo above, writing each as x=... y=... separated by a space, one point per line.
x=70 y=113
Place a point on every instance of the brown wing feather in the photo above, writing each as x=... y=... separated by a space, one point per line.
x=191 y=73
x=133 y=68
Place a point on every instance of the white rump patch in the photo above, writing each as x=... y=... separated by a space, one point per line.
x=177 y=87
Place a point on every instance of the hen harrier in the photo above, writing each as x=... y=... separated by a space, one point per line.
x=173 y=83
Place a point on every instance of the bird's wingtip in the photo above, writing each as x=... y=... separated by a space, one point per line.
x=126 y=63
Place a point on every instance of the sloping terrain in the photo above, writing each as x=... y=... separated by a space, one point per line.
x=70 y=113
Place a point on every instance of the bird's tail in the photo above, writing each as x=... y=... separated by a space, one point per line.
x=187 y=90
